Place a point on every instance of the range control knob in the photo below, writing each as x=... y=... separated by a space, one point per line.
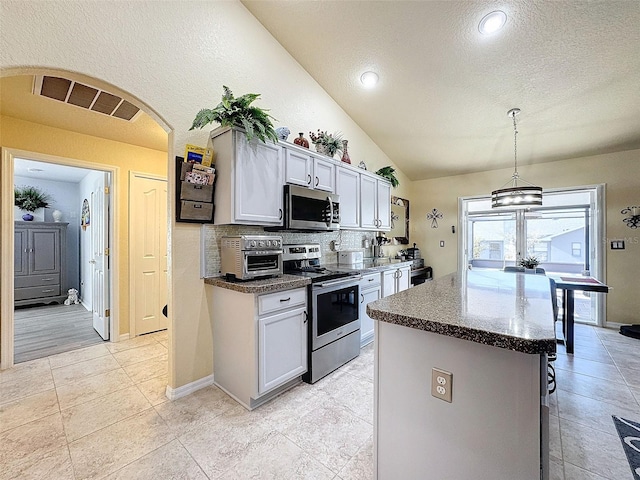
x=253 y=243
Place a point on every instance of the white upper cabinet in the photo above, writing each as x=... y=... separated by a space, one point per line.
x=348 y=187
x=384 y=205
x=298 y=168
x=375 y=203
x=250 y=176
x=308 y=170
x=323 y=175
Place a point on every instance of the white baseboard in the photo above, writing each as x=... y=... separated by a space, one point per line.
x=123 y=337
x=184 y=390
x=614 y=325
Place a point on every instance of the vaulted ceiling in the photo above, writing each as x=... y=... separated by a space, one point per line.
x=440 y=107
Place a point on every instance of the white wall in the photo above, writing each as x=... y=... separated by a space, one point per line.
x=64 y=197
x=175 y=56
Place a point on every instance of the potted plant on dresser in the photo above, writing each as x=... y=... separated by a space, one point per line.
x=29 y=199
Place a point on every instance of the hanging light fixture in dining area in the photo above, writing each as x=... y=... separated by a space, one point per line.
x=511 y=194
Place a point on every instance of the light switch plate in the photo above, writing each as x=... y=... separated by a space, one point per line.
x=442 y=243
x=442 y=384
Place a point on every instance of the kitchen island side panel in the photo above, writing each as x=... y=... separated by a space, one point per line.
x=490 y=431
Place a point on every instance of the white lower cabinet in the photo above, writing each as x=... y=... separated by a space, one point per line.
x=283 y=348
x=395 y=280
x=259 y=342
x=370 y=291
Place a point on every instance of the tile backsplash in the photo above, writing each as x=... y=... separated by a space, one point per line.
x=344 y=240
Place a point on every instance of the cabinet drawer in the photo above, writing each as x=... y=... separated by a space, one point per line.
x=37 y=280
x=197 y=193
x=196 y=210
x=36 y=292
x=281 y=300
x=369 y=281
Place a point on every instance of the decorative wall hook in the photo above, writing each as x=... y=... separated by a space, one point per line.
x=633 y=220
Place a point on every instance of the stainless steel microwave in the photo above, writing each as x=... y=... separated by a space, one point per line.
x=313 y=210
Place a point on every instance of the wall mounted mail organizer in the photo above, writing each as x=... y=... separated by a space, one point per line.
x=194 y=192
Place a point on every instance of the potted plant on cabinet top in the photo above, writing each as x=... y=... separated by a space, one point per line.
x=388 y=172
x=327 y=143
x=238 y=112
x=30 y=199
x=530 y=262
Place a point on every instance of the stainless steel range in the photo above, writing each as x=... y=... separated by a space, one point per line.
x=334 y=330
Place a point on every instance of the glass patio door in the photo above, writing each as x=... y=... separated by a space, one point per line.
x=561 y=234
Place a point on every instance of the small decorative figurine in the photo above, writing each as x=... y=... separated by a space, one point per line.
x=283 y=133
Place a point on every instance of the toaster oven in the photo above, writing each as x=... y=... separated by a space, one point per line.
x=247 y=257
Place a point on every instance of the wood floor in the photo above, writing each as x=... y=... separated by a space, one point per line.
x=46 y=330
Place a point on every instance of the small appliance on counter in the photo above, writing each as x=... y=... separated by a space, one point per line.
x=413 y=253
x=247 y=257
x=419 y=273
x=350 y=257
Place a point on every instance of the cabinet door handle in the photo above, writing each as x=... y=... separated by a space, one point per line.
x=285 y=299
x=309 y=179
x=399 y=273
x=26 y=250
x=317 y=181
x=280 y=210
x=361 y=298
x=47 y=290
x=47 y=279
x=306 y=317
x=371 y=279
x=31 y=250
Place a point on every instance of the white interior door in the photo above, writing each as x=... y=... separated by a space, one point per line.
x=148 y=246
x=99 y=225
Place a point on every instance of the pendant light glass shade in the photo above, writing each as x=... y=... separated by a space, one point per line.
x=512 y=195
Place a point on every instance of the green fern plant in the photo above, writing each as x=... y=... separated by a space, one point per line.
x=30 y=199
x=388 y=172
x=238 y=112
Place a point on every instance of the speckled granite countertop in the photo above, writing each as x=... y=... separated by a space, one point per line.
x=502 y=309
x=267 y=285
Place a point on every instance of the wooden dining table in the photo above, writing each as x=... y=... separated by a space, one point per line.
x=569 y=284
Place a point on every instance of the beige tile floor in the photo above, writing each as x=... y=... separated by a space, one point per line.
x=100 y=412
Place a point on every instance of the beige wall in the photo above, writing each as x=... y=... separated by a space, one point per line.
x=174 y=56
x=619 y=171
x=37 y=138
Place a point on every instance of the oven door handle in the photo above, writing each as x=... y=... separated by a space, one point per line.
x=354 y=279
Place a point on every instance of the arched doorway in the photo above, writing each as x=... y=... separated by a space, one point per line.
x=50 y=148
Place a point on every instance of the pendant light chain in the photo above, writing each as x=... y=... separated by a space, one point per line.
x=515 y=147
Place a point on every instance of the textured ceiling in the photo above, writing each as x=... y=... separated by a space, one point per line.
x=573 y=67
x=18 y=101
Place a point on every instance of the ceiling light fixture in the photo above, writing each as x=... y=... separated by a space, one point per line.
x=516 y=196
x=492 y=22
x=33 y=169
x=369 y=79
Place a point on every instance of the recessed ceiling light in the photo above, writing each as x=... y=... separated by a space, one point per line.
x=369 y=79
x=34 y=169
x=492 y=22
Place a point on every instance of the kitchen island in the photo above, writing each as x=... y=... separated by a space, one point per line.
x=482 y=338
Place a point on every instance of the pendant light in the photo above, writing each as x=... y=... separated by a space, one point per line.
x=516 y=196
